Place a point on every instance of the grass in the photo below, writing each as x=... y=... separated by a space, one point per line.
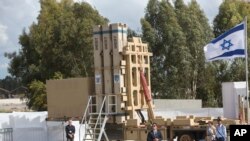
x=5 y=111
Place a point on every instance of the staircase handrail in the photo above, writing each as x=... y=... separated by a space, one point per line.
x=84 y=116
x=102 y=128
x=99 y=115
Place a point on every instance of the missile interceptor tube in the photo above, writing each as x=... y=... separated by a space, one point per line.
x=147 y=96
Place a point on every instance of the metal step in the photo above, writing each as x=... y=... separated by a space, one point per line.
x=95 y=122
x=92 y=133
x=89 y=129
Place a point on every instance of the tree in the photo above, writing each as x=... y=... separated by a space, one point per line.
x=37 y=98
x=9 y=83
x=230 y=14
x=227 y=17
x=176 y=36
x=10 y=86
x=198 y=32
x=60 y=42
x=167 y=42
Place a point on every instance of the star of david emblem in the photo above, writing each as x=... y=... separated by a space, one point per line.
x=226 y=44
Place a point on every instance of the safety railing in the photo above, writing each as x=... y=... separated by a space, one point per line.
x=6 y=134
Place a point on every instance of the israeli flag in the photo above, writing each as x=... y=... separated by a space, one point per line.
x=228 y=45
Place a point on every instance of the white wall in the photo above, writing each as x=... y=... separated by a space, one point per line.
x=199 y=112
x=56 y=131
x=5 y=120
x=177 y=103
x=32 y=126
x=30 y=134
x=230 y=93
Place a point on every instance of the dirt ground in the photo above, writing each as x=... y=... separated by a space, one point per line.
x=10 y=105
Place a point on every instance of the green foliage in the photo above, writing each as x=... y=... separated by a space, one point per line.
x=37 y=97
x=9 y=83
x=230 y=14
x=61 y=41
x=11 y=87
x=131 y=33
x=228 y=17
x=58 y=75
x=58 y=45
x=5 y=111
x=194 y=23
x=37 y=100
x=176 y=37
x=167 y=42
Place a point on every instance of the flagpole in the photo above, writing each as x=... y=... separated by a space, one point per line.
x=246 y=61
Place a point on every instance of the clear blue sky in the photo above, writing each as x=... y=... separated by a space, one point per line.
x=15 y=15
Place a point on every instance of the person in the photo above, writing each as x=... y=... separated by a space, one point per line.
x=154 y=134
x=70 y=131
x=211 y=132
x=221 y=132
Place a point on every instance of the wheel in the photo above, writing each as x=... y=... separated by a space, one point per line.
x=185 y=137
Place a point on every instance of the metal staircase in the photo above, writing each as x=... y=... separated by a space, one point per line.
x=94 y=119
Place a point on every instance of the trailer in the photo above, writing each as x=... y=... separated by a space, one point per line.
x=119 y=92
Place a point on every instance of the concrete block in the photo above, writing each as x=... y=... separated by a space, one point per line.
x=128 y=108
x=143 y=134
x=122 y=105
x=168 y=122
x=123 y=63
x=192 y=117
x=181 y=117
x=131 y=134
x=133 y=123
x=124 y=98
x=123 y=89
x=196 y=119
x=186 y=122
x=159 y=121
x=123 y=71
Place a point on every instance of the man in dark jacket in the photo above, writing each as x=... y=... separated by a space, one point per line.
x=154 y=134
x=70 y=131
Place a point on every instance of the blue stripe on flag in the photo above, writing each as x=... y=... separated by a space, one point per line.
x=228 y=45
x=230 y=53
x=235 y=29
